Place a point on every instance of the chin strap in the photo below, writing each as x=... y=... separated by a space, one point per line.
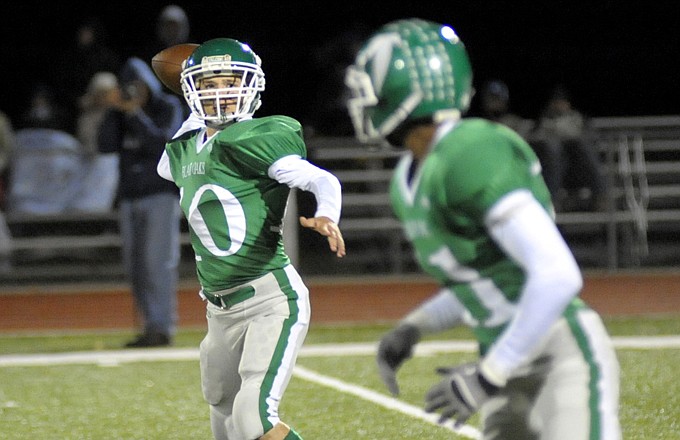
x=219 y=127
x=447 y=114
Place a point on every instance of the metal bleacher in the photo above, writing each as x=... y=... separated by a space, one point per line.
x=640 y=159
x=70 y=247
x=373 y=236
x=641 y=224
x=639 y=228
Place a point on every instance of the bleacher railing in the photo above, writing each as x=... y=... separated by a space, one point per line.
x=639 y=227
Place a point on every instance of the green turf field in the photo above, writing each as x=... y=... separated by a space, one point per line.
x=337 y=396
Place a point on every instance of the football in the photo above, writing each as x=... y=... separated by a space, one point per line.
x=167 y=64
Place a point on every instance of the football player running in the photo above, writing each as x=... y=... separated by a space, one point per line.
x=235 y=173
x=472 y=200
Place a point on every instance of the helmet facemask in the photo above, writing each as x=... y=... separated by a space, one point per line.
x=364 y=104
x=217 y=106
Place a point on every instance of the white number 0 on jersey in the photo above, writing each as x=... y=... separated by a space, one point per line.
x=233 y=212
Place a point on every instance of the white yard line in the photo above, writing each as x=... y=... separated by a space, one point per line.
x=104 y=358
x=647 y=342
x=382 y=400
x=115 y=357
x=427 y=348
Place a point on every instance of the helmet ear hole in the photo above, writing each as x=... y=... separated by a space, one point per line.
x=397 y=137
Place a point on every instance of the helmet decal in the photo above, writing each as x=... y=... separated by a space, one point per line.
x=217 y=59
x=379 y=52
x=408 y=70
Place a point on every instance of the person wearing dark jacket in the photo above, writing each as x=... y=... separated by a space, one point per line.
x=137 y=125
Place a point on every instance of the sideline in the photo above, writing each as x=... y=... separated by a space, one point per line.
x=427 y=348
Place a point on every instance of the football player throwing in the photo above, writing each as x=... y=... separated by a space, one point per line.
x=235 y=172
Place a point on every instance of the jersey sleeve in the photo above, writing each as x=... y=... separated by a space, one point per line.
x=483 y=167
x=261 y=142
x=163 y=167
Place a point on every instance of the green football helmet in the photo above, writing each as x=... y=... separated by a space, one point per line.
x=223 y=57
x=407 y=72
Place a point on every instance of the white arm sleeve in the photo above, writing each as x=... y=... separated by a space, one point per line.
x=440 y=312
x=526 y=232
x=298 y=173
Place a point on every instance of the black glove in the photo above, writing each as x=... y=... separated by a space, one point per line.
x=394 y=348
x=460 y=393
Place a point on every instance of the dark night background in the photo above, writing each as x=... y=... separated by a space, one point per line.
x=617 y=58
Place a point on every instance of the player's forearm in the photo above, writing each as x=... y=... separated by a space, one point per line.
x=440 y=312
x=543 y=302
x=298 y=173
x=328 y=193
x=527 y=233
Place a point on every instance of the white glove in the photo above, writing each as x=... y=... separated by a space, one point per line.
x=460 y=393
x=394 y=348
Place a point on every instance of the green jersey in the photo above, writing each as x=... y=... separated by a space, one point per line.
x=442 y=205
x=234 y=209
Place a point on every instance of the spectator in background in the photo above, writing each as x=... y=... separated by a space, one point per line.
x=46 y=163
x=172 y=28
x=495 y=106
x=100 y=170
x=569 y=159
x=142 y=119
x=88 y=55
x=44 y=110
x=6 y=150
